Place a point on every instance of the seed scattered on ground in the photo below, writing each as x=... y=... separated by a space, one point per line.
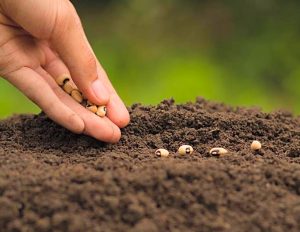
x=101 y=112
x=185 y=150
x=218 y=151
x=76 y=95
x=256 y=145
x=61 y=80
x=68 y=87
x=162 y=152
x=92 y=108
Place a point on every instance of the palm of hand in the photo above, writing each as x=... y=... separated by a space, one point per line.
x=31 y=64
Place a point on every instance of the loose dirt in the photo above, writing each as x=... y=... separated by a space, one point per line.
x=52 y=180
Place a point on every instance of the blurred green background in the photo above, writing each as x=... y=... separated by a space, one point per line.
x=238 y=52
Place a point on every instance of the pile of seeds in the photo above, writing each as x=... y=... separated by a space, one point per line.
x=69 y=87
x=216 y=151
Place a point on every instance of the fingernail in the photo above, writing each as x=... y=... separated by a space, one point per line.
x=100 y=91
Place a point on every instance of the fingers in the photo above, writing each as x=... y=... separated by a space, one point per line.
x=69 y=42
x=100 y=128
x=58 y=22
x=117 y=111
x=36 y=89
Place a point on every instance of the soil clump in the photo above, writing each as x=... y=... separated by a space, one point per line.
x=53 y=180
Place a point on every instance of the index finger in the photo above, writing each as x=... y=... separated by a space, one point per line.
x=58 y=22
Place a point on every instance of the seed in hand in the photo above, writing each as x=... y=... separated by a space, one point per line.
x=256 y=145
x=88 y=103
x=218 y=151
x=68 y=87
x=185 y=150
x=162 y=152
x=76 y=95
x=61 y=80
x=101 y=112
x=92 y=108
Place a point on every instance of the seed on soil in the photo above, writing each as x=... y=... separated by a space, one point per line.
x=61 y=80
x=68 y=87
x=76 y=95
x=92 y=108
x=256 y=145
x=162 y=152
x=101 y=112
x=185 y=150
x=218 y=151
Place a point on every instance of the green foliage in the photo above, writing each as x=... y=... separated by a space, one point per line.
x=242 y=53
x=13 y=102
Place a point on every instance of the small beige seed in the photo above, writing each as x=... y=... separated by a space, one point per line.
x=61 y=80
x=218 y=151
x=256 y=145
x=92 y=108
x=101 y=112
x=76 y=95
x=68 y=87
x=162 y=152
x=185 y=150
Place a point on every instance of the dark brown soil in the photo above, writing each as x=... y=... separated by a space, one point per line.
x=52 y=180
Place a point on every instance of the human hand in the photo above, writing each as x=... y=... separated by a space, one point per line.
x=41 y=40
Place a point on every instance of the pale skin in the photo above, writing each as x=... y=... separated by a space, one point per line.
x=41 y=40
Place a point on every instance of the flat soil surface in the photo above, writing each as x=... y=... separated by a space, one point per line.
x=53 y=180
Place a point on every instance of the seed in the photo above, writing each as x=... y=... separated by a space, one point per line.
x=162 y=152
x=76 y=95
x=88 y=103
x=101 y=112
x=68 y=87
x=185 y=150
x=61 y=80
x=218 y=151
x=92 y=108
x=256 y=145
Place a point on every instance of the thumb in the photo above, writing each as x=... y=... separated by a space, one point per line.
x=58 y=22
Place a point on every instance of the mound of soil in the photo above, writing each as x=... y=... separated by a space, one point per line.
x=52 y=180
